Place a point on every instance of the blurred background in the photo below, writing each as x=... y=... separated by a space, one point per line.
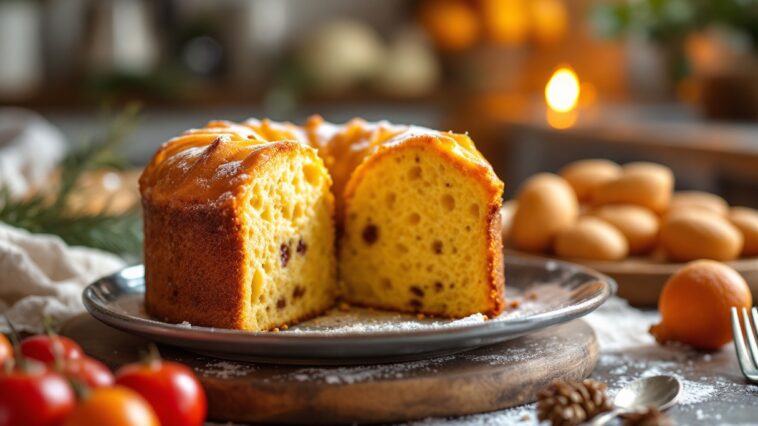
x=537 y=83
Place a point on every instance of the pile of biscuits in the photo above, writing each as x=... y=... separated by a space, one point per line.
x=599 y=210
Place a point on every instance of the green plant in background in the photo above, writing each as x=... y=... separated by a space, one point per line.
x=671 y=20
x=49 y=210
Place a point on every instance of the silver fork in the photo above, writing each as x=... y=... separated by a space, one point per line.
x=748 y=366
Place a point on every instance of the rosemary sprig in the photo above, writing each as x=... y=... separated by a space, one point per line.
x=49 y=211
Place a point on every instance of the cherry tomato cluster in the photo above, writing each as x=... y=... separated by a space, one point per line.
x=47 y=380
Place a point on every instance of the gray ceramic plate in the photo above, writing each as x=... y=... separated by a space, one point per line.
x=549 y=292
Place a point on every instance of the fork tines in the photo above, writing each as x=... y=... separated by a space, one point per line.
x=747 y=355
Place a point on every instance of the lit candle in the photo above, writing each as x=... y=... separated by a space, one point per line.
x=562 y=96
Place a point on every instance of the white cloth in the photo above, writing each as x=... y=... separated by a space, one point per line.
x=41 y=276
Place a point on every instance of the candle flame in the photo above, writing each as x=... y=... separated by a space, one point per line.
x=562 y=90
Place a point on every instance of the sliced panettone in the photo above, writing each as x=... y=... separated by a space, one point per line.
x=422 y=229
x=239 y=232
x=240 y=223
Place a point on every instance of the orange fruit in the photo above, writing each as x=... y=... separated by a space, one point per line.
x=695 y=305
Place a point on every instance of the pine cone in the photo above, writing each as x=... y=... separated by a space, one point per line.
x=568 y=404
x=648 y=417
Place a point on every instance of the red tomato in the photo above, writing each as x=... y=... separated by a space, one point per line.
x=114 y=406
x=6 y=349
x=171 y=389
x=43 y=348
x=88 y=371
x=36 y=397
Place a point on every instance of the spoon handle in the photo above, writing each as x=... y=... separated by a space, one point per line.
x=606 y=417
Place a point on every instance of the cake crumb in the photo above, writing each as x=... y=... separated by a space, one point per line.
x=532 y=295
x=420 y=316
x=275 y=330
x=285 y=327
x=514 y=303
x=344 y=307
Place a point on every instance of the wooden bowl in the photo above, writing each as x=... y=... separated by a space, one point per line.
x=641 y=279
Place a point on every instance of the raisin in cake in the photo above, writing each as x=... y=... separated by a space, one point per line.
x=239 y=230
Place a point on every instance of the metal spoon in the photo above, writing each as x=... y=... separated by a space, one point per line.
x=658 y=391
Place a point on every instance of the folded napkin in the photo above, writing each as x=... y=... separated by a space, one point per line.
x=41 y=276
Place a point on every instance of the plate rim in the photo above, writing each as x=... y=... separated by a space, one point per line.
x=200 y=334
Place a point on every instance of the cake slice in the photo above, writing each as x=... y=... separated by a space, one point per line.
x=240 y=223
x=421 y=229
x=239 y=231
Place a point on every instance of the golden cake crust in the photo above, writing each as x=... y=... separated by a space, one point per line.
x=179 y=277
x=193 y=235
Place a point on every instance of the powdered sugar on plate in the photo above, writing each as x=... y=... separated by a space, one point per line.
x=545 y=298
x=362 y=321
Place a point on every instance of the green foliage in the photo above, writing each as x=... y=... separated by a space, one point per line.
x=49 y=211
x=670 y=20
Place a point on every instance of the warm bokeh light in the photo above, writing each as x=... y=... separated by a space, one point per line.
x=561 y=120
x=549 y=20
x=588 y=93
x=562 y=90
x=506 y=21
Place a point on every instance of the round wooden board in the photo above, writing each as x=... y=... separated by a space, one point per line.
x=640 y=280
x=481 y=380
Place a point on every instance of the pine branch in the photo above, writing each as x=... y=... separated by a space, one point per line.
x=50 y=211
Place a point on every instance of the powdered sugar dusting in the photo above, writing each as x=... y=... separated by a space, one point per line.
x=527 y=351
x=509 y=357
x=225 y=369
x=522 y=416
x=619 y=326
x=364 y=373
x=357 y=374
x=627 y=369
